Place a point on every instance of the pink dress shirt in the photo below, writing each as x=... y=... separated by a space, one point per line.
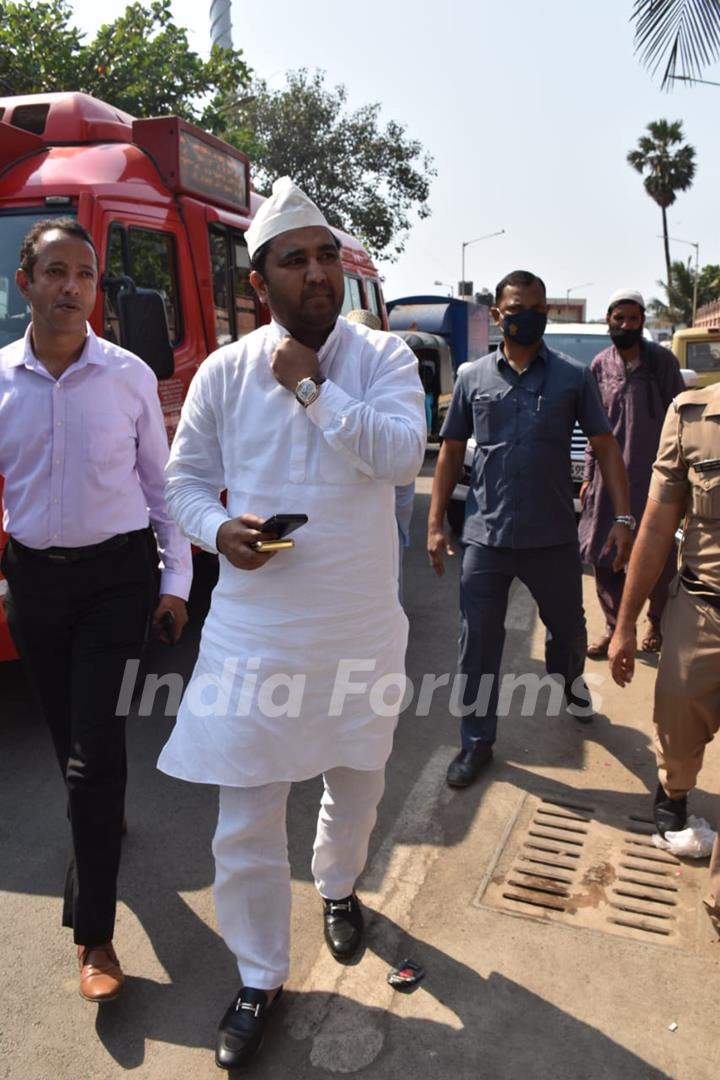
x=83 y=455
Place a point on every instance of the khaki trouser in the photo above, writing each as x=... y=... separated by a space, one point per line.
x=687 y=699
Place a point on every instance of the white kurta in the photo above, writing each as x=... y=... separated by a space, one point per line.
x=328 y=602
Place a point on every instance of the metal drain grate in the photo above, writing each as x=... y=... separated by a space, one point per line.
x=593 y=867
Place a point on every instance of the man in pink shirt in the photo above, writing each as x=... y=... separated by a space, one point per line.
x=82 y=451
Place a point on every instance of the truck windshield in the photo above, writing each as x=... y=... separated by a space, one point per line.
x=14 y=312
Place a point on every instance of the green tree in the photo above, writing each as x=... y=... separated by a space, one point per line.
x=677 y=308
x=39 y=50
x=668 y=166
x=366 y=178
x=141 y=62
x=679 y=33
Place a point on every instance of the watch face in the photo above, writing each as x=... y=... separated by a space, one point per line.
x=306 y=391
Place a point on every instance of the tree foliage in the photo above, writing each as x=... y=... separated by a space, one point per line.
x=682 y=34
x=668 y=166
x=141 y=62
x=366 y=178
x=677 y=308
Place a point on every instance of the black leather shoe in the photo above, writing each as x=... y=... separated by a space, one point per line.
x=579 y=705
x=240 y=1034
x=343 y=926
x=670 y=814
x=465 y=767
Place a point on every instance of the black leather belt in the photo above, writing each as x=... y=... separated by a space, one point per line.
x=73 y=554
x=695 y=587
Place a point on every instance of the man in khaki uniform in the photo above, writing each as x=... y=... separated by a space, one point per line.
x=685 y=484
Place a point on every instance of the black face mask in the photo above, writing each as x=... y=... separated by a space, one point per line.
x=524 y=327
x=626 y=339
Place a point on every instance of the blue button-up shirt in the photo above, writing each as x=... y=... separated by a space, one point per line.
x=521 y=493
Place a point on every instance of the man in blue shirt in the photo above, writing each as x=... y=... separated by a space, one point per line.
x=521 y=403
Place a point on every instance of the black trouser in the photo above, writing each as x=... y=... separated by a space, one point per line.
x=76 y=625
x=554 y=577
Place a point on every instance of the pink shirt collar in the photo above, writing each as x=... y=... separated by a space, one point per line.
x=23 y=355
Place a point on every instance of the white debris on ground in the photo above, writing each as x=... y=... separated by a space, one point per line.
x=694 y=842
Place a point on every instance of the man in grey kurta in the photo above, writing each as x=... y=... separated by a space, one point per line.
x=637 y=380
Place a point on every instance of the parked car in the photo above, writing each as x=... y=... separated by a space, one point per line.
x=581 y=341
x=698 y=348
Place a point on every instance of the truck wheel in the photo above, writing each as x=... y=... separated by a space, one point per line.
x=456 y=515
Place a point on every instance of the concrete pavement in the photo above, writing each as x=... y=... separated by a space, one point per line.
x=508 y=994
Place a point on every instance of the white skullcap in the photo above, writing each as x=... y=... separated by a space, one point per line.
x=631 y=295
x=287 y=208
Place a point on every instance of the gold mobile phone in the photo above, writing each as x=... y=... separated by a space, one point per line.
x=273 y=545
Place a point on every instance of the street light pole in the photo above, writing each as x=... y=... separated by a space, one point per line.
x=584 y=285
x=445 y=285
x=467 y=243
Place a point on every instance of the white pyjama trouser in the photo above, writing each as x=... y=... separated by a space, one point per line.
x=252 y=871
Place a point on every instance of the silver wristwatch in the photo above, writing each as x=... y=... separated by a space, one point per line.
x=307 y=391
x=626 y=519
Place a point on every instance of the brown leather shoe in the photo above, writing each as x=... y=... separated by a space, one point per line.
x=101 y=976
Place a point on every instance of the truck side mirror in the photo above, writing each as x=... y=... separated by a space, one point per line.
x=144 y=329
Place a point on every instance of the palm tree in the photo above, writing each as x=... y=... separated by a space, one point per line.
x=678 y=310
x=667 y=169
x=687 y=32
x=680 y=302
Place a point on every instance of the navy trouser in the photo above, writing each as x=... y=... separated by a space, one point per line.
x=554 y=577
x=75 y=626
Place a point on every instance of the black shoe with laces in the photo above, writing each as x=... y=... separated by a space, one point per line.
x=241 y=1029
x=670 y=814
x=343 y=926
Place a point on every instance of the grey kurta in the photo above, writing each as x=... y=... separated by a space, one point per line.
x=636 y=403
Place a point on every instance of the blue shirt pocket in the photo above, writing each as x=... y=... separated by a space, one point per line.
x=491 y=418
x=553 y=418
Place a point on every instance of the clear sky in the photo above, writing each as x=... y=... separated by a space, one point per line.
x=528 y=110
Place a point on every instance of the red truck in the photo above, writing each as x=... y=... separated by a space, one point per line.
x=167 y=206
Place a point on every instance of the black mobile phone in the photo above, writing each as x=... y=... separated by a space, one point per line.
x=283 y=524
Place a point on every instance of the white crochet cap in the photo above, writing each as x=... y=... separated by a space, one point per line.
x=631 y=295
x=287 y=208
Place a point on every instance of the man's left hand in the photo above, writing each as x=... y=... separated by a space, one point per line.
x=178 y=609
x=621 y=654
x=292 y=362
x=621 y=538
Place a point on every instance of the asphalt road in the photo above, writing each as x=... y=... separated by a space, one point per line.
x=504 y=997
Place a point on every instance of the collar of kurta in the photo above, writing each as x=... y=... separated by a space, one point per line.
x=642 y=355
x=326 y=351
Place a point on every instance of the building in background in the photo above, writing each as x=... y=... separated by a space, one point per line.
x=708 y=315
x=563 y=309
x=221 y=24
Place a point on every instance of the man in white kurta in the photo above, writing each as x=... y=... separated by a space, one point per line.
x=301 y=660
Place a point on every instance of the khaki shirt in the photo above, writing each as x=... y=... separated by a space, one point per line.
x=691 y=434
